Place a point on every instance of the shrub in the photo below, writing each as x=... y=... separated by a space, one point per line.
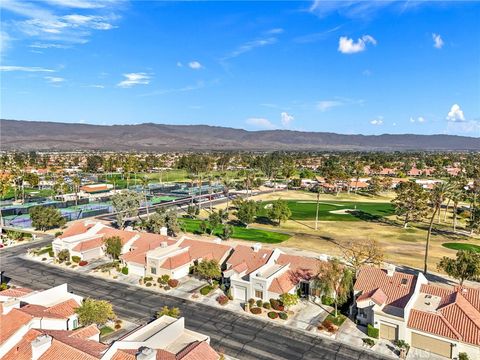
x=148 y=284
x=58 y=233
x=51 y=253
x=259 y=303
x=125 y=270
x=329 y=325
x=283 y=315
x=44 y=259
x=368 y=342
x=256 y=310
x=463 y=356
x=164 y=279
x=83 y=263
x=76 y=259
x=118 y=326
x=68 y=263
x=206 y=290
x=148 y=278
x=372 y=331
x=275 y=303
x=167 y=288
x=222 y=299
x=267 y=305
x=327 y=300
x=251 y=302
x=173 y=283
x=272 y=315
x=63 y=255
x=402 y=344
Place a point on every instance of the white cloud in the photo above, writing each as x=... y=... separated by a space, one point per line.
x=419 y=119
x=39 y=45
x=261 y=123
x=97 y=86
x=286 y=118
x=275 y=31
x=195 y=65
x=455 y=114
x=249 y=46
x=179 y=64
x=4 y=42
x=349 y=46
x=378 y=121
x=325 y=105
x=437 y=41
x=132 y=79
x=24 y=68
x=54 y=79
x=54 y=22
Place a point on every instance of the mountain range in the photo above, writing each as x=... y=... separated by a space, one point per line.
x=42 y=135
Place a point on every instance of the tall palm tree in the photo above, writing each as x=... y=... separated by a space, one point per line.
x=226 y=182
x=437 y=196
x=76 y=187
x=457 y=194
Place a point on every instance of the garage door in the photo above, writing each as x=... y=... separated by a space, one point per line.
x=432 y=345
x=240 y=293
x=388 y=332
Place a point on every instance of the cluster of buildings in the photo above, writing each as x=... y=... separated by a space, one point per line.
x=43 y=325
x=250 y=271
x=440 y=320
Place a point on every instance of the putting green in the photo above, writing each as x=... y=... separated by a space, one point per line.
x=462 y=246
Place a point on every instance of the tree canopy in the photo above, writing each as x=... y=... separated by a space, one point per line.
x=279 y=211
x=95 y=312
x=466 y=265
x=113 y=246
x=46 y=217
x=208 y=269
x=126 y=204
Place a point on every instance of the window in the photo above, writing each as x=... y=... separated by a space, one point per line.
x=259 y=294
x=153 y=270
x=404 y=281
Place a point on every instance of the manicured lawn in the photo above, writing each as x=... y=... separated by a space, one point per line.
x=265 y=236
x=462 y=246
x=353 y=211
x=106 y=330
x=337 y=320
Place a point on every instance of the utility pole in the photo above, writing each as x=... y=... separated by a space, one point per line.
x=318 y=203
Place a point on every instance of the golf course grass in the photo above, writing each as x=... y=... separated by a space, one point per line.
x=335 y=210
x=242 y=233
x=461 y=246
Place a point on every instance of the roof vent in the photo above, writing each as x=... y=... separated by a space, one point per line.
x=146 y=353
x=390 y=269
x=256 y=247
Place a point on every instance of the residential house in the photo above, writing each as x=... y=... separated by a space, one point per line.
x=441 y=320
x=85 y=239
x=176 y=259
x=253 y=272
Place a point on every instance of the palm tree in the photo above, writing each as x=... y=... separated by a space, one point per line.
x=76 y=187
x=437 y=196
x=144 y=182
x=456 y=196
x=226 y=182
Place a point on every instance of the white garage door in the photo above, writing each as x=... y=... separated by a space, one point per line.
x=240 y=293
x=432 y=345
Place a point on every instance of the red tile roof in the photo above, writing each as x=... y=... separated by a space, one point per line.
x=198 y=350
x=85 y=332
x=398 y=294
x=11 y=322
x=253 y=260
x=15 y=292
x=176 y=261
x=376 y=295
x=75 y=228
x=203 y=249
x=456 y=316
x=124 y=235
x=89 y=245
x=62 y=310
x=146 y=242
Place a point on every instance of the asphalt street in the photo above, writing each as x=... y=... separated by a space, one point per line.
x=235 y=334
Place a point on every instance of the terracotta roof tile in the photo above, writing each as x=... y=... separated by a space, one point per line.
x=253 y=260
x=376 y=295
x=11 y=322
x=85 y=332
x=206 y=250
x=176 y=261
x=15 y=292
x=75 y=228
x=62 y=310
x=89 y=245
x=398 y=288
x=198 y=350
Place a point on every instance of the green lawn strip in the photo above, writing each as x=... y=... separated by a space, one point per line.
x=265 y=236
x=337 y=320
x=462 y=246
x=306 y=210
x=105 y=330
x=207 y=289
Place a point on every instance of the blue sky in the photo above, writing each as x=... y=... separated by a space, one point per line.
x=346 y=67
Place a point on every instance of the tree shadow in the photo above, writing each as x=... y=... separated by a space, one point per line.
x=265 y=221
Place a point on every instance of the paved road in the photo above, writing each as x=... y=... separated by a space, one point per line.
x=235 y=334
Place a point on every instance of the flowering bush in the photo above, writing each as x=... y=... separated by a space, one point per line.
x=222 y=299
x=83 y=263
x=173 y=283
x=283 y=315
x=256 y=310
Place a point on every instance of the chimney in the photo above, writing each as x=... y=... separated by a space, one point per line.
x=390 y=269
x=146 y=353
x=163 y=244
x=41 y=344
x=256 y=247
x=163 y=231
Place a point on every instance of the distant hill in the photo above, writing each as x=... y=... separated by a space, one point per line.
x=39 y=135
